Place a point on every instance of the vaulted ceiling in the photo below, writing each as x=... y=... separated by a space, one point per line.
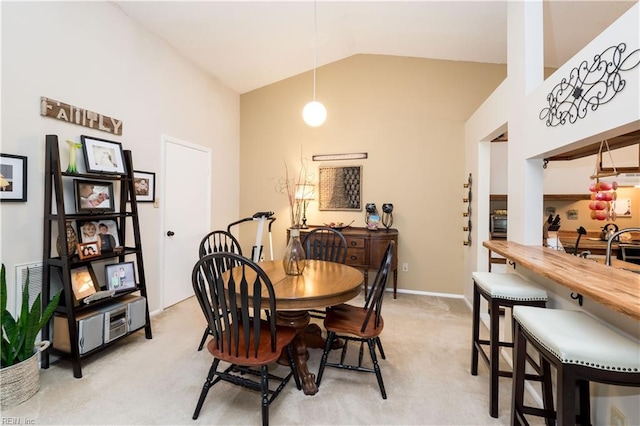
x=250 y=44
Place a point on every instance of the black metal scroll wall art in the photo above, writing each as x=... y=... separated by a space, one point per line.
x=589 y=85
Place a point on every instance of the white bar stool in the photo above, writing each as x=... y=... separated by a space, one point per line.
x=582 y=350
x=499 y=290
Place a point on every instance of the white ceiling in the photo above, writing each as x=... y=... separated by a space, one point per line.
x=250 y=44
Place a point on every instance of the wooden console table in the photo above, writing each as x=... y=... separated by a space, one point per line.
x=613 y=287
x=365 y=250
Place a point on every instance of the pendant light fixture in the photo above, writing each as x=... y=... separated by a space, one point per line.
x=314 y=113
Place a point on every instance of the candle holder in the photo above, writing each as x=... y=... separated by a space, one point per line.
x=387 y=215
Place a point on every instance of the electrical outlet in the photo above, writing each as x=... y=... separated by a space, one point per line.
x=405 y=267
x=616 y=417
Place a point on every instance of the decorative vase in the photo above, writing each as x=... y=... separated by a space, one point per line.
x=72 y=240
x=294 y=259
x=73 y=156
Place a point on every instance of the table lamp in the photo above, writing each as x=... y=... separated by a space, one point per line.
x=304 y=194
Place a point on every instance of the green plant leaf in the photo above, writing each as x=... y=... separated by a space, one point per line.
x=18 y=335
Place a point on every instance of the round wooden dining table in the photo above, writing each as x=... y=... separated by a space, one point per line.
x=321 y=284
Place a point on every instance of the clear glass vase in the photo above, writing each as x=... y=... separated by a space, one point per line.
x=294 y=259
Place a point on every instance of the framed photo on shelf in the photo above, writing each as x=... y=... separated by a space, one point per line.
x=83 y=282
x=89 y=250
x=94 y=196
x=103 y=231
x=120 y=276
x=13 y=177
x=145 y=186
x=102 y=156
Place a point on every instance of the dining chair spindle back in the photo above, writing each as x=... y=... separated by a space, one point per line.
x=232 y=301
x=325 y=243
x=216 y=242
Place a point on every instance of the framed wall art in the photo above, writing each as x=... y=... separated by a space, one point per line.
x=94 y=196
x=13 y=177
x=340 y=188
x=102 y=156
x=145 y=186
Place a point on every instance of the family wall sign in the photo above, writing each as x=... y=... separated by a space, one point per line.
x=72 y=114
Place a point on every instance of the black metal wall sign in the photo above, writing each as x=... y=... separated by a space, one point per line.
x=76 y=115
x=589 y=86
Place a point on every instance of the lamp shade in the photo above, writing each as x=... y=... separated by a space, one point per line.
x=314 y=114
x=304 y=192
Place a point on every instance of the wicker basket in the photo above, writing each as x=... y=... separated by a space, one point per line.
x=21 y=381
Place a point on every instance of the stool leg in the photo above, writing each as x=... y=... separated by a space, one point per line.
x=517 y=392
x=494 y=360
x=566 y=396
x=547 y=389
x=584 y=415
x=475 y=330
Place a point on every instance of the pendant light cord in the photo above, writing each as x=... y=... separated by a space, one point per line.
x=315 y=50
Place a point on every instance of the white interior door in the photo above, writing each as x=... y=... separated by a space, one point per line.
x=187 y=214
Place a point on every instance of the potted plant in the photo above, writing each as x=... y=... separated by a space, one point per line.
x=19 y=371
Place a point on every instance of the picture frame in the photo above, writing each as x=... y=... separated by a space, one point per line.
x=13 y=178
x=103 y=231
x=623 y=207
x=120 y=276
x=340 y=188
x=89 y=250
x=102 y=156
x=83 y=282
x=93 y=196
x=145 y=186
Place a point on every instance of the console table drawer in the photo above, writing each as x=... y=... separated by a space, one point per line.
x=356 y=257
x=355 y=243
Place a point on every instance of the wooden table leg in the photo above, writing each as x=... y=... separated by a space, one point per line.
x=299 y=320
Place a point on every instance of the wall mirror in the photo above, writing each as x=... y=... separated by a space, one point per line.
x=340 y=188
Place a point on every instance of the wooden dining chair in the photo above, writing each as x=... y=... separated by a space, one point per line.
x=364 y=325
x=215 y=242
x=232 y=302
x=218 y=241
x=325 y=243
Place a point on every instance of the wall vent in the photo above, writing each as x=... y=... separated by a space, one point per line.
x=35 y=284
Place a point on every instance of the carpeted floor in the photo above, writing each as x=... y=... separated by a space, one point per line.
x=158 y=381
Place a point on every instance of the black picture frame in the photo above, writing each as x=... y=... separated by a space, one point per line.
x=120 y=276
x=103 y=231
x=144 y=184
x=83 y=282
x=99 y=200
x=13 y=178
x=103 y=156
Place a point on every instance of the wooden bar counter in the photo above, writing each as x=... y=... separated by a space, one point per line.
x=615 y=288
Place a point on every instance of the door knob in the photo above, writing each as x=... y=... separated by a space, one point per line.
x=170 y=233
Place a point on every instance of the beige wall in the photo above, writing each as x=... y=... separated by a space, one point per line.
x=408 y=115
